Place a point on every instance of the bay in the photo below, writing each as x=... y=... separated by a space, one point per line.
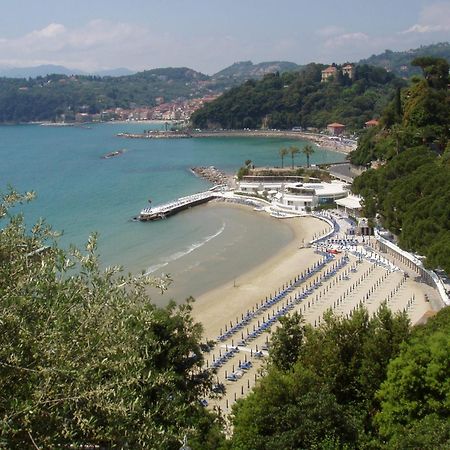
x=79 y=192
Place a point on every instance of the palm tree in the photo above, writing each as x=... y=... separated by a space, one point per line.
x=283 y=152
x=293 y=150
x=308 y=150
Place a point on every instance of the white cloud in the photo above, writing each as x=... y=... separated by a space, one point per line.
x=433 y=19
x=328 y=31
x=346 y=39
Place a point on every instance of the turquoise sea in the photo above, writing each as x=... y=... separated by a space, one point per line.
x=78 y=193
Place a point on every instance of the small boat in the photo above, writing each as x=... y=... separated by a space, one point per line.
x=113 y=154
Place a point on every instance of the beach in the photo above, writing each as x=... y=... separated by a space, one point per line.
x=224 y=303
x=240 y=315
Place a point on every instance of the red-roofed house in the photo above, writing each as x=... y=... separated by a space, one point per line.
x=330 y=71
x=372 y=123
x=336 y=128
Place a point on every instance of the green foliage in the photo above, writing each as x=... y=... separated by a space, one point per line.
x=287 y=341
x=85 y=357
x=46 y=98
x=327 y=397
x=242 y=172
x=415 y=398
x=410 y=191
x=308 y=150
x=301 y=99
x=283 y=152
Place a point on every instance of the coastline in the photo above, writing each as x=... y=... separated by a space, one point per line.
x=322 y=141
x=215 y=307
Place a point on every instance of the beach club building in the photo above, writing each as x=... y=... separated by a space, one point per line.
x=296 y=197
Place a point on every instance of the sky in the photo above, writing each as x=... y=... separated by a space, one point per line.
x=209 y=35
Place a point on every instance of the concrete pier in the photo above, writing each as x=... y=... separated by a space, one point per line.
x=171 y=208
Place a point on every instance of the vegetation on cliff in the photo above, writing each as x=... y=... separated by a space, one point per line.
x=411 y=189
x=301 y=99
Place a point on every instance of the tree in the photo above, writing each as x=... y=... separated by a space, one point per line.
x=290 y=411
x=85 y=357
x=283 y=152
x=308 y=150
x=416 y=393
x=287 y=341
x=293 y=150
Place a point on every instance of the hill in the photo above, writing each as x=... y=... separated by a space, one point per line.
x=245 y=70
x=301 y=99
x=410 y=191
x=46 y=98
x=49 y=69
x=400 y=62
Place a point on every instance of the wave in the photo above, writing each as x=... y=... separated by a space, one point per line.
x=185 y=252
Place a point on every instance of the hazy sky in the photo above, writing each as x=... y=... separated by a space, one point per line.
x=208 y=35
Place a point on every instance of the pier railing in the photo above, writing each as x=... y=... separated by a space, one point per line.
x=172 y=207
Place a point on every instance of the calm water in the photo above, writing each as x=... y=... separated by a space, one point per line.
x=78 y=193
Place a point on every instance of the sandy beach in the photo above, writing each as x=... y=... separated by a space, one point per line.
x=342 y=283
x=224 y=303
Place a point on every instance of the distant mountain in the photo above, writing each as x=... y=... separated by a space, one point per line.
x=119 y=72
x=400 y=62
x=246 y=70
x=50 y=69
x=38 y=71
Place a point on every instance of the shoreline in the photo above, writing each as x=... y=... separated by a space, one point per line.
x=322 y=141
x=214 y=307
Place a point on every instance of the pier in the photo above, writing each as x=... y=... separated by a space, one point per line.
x=171 y=208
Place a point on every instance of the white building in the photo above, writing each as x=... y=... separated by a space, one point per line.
x=296 y=198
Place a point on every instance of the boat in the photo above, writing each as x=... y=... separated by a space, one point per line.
x=113 y=154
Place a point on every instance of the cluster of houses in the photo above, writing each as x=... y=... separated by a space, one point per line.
x=332 y=71
x=180 y=109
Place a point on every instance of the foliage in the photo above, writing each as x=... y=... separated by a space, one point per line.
x=283 y=151
x=415 y=398
x=85 y=357
x=329 y=393
x=301 y=99
x=308 y=150
x=47 y=98
x=410 y=191
x=400 y=63
x=286 y=342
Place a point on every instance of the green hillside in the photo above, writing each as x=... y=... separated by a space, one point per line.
x=301 y=99
x=400 y=62
x=410 y=192
x=45 y=98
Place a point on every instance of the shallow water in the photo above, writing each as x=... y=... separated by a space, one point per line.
x=80 y=193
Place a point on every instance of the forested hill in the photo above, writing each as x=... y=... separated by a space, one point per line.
x=410 y=192
x=45 y=98
x=400 y=62
x=301 y=99
x=246 y=70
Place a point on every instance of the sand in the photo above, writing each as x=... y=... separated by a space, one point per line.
x=217 y=307
x=356 y=283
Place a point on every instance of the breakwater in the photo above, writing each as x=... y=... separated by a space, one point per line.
x=157 y=134
x=211 y=174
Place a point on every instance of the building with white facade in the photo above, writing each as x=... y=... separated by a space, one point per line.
x=296 y=197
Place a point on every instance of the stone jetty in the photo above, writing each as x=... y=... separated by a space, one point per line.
x=211 y=174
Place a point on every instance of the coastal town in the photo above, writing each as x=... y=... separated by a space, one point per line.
x=179 y=110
